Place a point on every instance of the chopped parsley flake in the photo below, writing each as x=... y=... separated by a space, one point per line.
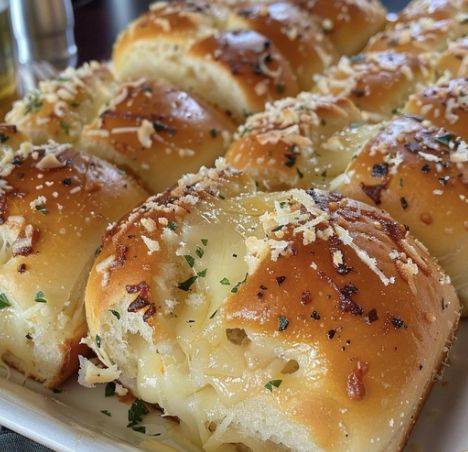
x=225 y=282
x=283 y=323
x=139 y=429
x=185 y=285
x=98 y=341
x=236 y=287
x=136 y=413
x=204 y=241
x=4 y=302
x=3 y=138
x=190 y=260
x=202 y=274
x=65 y=127
x=273 y=384
x=34 y=103
x=42 y=208
x=445 y=139
x=199 y=252
x=40 y=298
x=110 y=389
x=106 y=412
x=172 y=225
x=214 y=313
x=115 y=313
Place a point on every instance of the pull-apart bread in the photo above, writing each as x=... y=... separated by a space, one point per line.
x=239 y=55
x=297 y=320
x=419 y=174
x=150 y=128
x=55 y=204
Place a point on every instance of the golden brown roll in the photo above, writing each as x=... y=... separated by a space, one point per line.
x=432 y=9
x=55 y=204
x=419 y=174
x=377 y=82
x=177 y=41
x=158 y=132
x=238 y=71
x=282 y=147
x=348 y=23
x=444 y=105
x=454 y=61
x=293 y=31
x=419 y=36
x=298 y=320
x=60 y=108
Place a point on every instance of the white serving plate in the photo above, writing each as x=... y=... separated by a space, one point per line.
x=72 y=420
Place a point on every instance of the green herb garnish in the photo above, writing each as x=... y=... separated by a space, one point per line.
x=225 y=282
x=199 y=252
x=445 y=139
x=283 y=323
x=204 y=241
x=202 y=274
x=172 y=225
x=34 y=102
x=185 y=285
x=273 y=384
x=115 y=313
x=110 y=389
x=42 y=208
x=190 y=260
x=136 y=413
x=40 y=297
x=98 y=341
x=106 y=412
x=65 y=127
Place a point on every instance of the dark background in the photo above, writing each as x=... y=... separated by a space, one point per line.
x=97 y=23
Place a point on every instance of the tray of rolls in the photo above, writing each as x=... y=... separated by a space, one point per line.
x=247 y=232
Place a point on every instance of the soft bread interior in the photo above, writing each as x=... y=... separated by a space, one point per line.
x=199 y=370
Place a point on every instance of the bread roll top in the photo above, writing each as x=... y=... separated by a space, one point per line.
x=454 y=61
x=239 y=311
x=282 y=147
x=444 y=105
x=418 y=173
x=60 y=107
x=158 y=132
x=55 y=203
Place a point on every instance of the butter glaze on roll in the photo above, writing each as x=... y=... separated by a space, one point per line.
x=444 y=105
x=295 y=320
x=55 y=205
x=377 y=82
x=293 y=31
x=285 y=146
x=348 y=23
x=158 y=132
x=419 y=174
x=60 y=107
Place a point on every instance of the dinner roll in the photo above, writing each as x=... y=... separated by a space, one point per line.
x=454 y=61
x=158 y=132
x=293 y=31
x=420 y=36
x=55 y=204
x=238 y=71
x=298 y=320
x=177 y=41
x=348 y=23
x=377 y=82
x=419 y=174
x=282 y=147
x=432 y=9
x=60 y=107
x=444 y=104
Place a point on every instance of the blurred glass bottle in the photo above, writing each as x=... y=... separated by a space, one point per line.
x=44 y=32
x=7 y=63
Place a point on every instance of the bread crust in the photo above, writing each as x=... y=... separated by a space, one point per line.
x=376 y=328
x=55 y=204
x=378 y=83
x=342 y=19
x=282 y=147
x=158 y=132
x=454 y=60
x=408 y=154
